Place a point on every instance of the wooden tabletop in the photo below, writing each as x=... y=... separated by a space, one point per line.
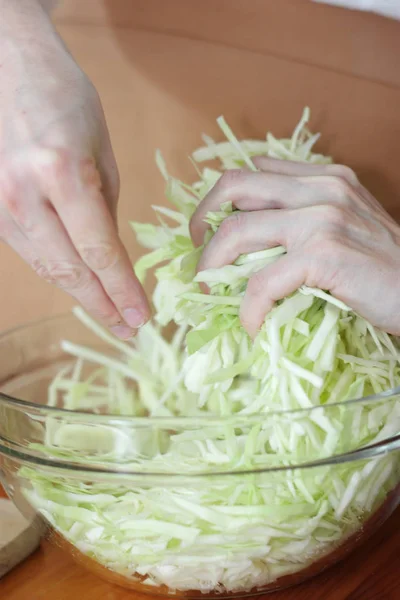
x=370 y=573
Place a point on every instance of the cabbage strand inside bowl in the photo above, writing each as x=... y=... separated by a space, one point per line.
x=226 y=533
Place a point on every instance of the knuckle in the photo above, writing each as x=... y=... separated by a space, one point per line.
x=232 y=225
x=55 y=162
x=9 y=198
x=14 y=203
x=8 y=186
x=328 y=246
x=256 y=284
x=18 y=211
x=229 y=179
x=260 y=160
x=11 y=202
x=345 y=173
x=89 y=173
x=68 y=276
x=100 y=257
x=327 y=268
x=340 y=187
x=333 y=215
x=245 y=320
x=41 y=270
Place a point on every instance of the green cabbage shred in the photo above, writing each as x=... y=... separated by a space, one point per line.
x=221 y=405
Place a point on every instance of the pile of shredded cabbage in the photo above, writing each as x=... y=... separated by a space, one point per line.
x=225 y=533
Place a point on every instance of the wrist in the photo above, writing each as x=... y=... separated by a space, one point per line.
x=26 y=23
x=29 y=43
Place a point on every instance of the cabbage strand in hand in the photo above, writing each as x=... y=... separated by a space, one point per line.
x=321 y=228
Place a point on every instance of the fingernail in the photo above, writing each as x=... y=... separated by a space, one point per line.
x=122 y=331
x=134 y=317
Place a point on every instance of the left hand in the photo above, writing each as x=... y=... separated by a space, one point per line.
x=337 y=236
x=59 y=182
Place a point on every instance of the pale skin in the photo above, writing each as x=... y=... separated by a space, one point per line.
x=337 y=235
x=59 y=189
x=59 y=181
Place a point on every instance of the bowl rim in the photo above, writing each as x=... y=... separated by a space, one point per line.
x=370 y=452
x=18 y=403
x=374 y=450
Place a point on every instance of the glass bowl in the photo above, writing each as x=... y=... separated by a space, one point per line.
x=99 y=484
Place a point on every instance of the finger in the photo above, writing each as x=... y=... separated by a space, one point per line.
x=51 y=254
x=32 y=228
x=246 y=190
x=281 y=184
x=74 y=190
x=302 y=169
x=267 y=286
x=246 y=232
x=11 y=235
x=334 y=181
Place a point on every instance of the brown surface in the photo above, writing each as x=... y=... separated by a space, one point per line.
x=165 y=70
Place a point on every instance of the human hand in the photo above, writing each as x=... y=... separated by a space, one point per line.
x=59 y=182
x=337 y=236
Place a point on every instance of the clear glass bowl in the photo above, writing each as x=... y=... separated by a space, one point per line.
x=250 y=530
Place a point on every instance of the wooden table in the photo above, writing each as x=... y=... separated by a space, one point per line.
x=165 y=69
x=371 y=573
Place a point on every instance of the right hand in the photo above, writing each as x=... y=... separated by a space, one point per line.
x=59 y=183
x=337 y=236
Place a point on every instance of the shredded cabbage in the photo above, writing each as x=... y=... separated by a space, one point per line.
x=228 y=406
